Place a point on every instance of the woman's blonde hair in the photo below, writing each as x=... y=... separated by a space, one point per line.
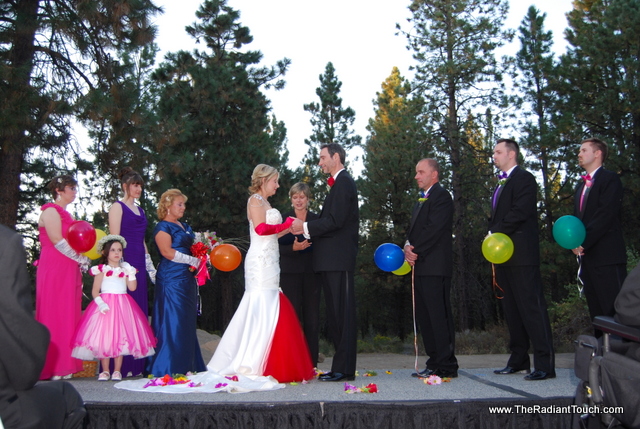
x=300 y=187
x=166 y=200
x=262 y=173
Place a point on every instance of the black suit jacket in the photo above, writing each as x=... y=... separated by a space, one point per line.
x=516 y=215
x=23 y=341
x=335 y=233
x=296 y=261
x=604 y=243
x=628 y=301
x=430 y=233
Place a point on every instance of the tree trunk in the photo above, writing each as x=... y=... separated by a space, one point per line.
x=13 y=138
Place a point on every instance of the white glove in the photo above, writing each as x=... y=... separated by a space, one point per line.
x=181 y=258
x=129 y=271
x=85 y=263
x=148 y=264
x=66 y=249
x=102 y=306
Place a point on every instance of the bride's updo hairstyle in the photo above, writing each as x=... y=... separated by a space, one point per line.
x=262 y=173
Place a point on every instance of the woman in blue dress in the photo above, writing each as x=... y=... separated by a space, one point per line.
x=176 y=293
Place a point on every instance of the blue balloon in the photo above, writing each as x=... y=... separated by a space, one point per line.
x=389 y=257
x=569 y=232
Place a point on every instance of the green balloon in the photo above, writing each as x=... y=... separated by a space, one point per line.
x=569 y=232
x=497 y=248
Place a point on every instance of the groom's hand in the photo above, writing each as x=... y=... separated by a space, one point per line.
x=296 y=227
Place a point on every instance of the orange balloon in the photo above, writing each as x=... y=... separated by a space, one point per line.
x=225 y=257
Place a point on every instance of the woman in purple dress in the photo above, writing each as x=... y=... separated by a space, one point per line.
x=128 y=220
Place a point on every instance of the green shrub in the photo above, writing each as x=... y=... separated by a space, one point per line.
x=325 y=347
x=569 y=319
x=494 y=339
x=380 y=344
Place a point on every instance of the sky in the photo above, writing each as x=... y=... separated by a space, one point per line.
x=357 y=36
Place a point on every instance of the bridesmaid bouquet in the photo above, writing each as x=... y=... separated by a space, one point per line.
x=203 y=244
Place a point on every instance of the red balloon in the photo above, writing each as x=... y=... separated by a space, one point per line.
x=81 y=236
x=225 y=257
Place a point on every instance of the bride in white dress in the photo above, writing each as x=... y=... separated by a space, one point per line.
x=245 y=343
x=264 y=339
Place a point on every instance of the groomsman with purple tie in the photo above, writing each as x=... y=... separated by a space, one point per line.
x=514 y=213
x=598 y=203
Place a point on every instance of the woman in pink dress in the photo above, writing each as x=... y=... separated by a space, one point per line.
x=59 y=280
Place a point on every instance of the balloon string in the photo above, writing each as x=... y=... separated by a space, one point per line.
x=496 y=286
x=580 y=283
x=415 y=328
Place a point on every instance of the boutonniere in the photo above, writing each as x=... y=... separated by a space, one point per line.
x=503 y=177
x=423 y=197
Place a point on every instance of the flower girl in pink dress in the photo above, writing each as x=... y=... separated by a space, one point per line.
x=113 y=325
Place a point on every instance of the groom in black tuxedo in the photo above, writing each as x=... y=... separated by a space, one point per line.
x=514 y=213
x=429 y=250
x=598 y=203
x=335 y=240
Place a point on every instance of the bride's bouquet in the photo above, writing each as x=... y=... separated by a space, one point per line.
x=203 y=245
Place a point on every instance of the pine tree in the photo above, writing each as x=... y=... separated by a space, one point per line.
x=537 y=82
x=50 y=55
x=454 y=43
x=331 y=124
x=388 y=192
x=214 y=129
x=601 y=94
x=120 y=121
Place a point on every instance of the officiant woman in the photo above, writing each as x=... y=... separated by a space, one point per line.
x=297 y=279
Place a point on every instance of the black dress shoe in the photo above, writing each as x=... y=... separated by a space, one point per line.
x=445 y=373
x=422 y=374
x=338 y=376
x=539 y=375
x=509 y=370
x=325 y=375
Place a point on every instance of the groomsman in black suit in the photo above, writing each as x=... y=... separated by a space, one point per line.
x=598 y=203
x=23 y=348
x=514 y=213
x=429 y=250
x=335 y=240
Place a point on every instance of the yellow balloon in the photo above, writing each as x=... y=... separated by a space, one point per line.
x=93 y=252
x=404 y=269
x=497 y=248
